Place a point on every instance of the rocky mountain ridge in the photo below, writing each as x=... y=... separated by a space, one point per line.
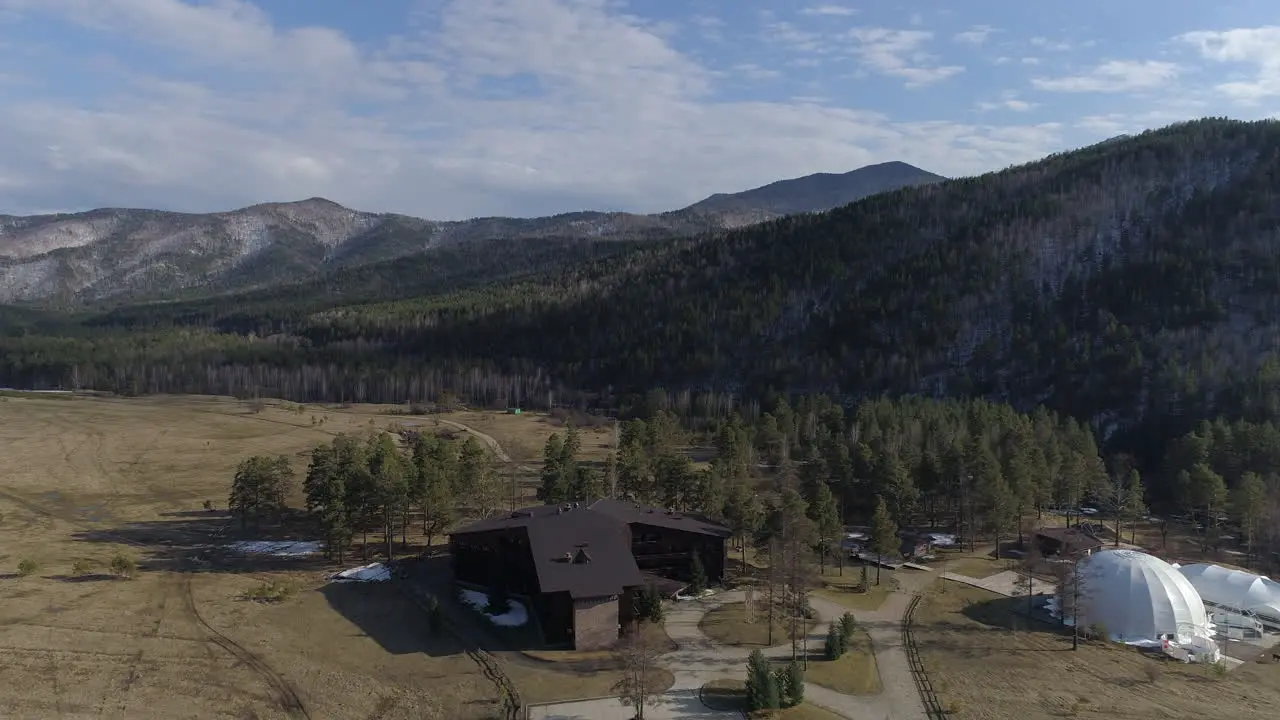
x=115 y=253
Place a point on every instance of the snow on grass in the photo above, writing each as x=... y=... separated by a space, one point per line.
x=373 y=572
x=279 y=548
x=515 y=616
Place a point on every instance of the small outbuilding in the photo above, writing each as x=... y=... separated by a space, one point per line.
x=1055 y=542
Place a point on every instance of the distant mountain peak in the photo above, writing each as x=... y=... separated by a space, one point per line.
x=118 y=253
x=817 y=192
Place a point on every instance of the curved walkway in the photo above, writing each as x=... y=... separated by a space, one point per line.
x=699 y=660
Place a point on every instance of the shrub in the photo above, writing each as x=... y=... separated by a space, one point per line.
x=795 y=684
x=124 y=566
x=1218 y=669
x=272 y=591
x=27 y=567
x=698 y=581
x=833 y=648
x=847 y=625
x=1153 y=672
x=762 y=684
x=81 y=567
x=208 y=505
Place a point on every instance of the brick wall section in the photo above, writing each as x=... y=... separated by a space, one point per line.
x=595 y=623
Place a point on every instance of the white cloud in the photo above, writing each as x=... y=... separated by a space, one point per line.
x=755 y=72
x=1045 y=43
x=1113 y=76
x=1013 y=104
x=900 y=53
x=1259 y=47
x=836 y=10
x=596 y=109
x=975 y=35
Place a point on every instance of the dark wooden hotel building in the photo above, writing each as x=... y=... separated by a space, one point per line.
x=580 y=565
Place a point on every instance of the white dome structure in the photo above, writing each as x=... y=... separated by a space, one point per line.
x=1138 y=597
x=1236 y=590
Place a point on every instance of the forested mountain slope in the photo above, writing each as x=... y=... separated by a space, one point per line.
x=120 y=255
x=811 y=193
x=1133 y=283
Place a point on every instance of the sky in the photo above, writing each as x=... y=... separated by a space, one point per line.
x=449 y=109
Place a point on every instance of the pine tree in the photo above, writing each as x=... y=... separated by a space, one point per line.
x=553 y=489
x=761 y=686
x=795 y=685
x=326 y=499
x=697 y=574
x=832 y=647
x=884 y=534
x=259 y=488
x=826 y=520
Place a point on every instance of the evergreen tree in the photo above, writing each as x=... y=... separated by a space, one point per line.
x=326 y=499
x=697 y=574
x=884 y=534
x=833 y=648
x=795 y=685
x=827 y=525
x=259 y=488
x=761 y=685
x=555 y=488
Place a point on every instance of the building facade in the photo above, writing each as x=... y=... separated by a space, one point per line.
x=579 y=568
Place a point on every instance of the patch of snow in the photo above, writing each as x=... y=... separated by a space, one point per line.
x=279 y=548
x=705 y=593
x=941 y=538
x=515 y=616
x=373 y=572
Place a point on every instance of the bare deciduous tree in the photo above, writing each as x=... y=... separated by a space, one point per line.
x=639 y=685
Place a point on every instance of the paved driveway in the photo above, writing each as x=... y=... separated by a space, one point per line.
x=675 y=705
x=699 y=660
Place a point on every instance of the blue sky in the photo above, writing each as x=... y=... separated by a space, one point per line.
x=458 y=108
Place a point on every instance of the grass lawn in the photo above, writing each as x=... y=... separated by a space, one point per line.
x=541 y=685
x=727 y=625
x=724 y=695
x=731 y=696
x=974 y=566
x=843 y=589
x=854 y=673
x=82 y=479
x=806 y=711
x=655 y=633
x=984 y=669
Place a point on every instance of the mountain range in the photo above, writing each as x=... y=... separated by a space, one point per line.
x=1133 y=285
x=115 y=254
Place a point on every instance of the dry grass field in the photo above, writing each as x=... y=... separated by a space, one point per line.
x=84 y=479
x=983 y=669
x=523 y=436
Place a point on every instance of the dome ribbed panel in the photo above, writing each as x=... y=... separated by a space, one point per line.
x=1139 y=596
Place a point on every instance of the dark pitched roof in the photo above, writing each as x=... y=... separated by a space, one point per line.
x=583 y=553
x=575 y=550
x=632 y=513
x=1072 y=538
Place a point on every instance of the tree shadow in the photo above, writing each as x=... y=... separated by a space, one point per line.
x=430 y=579
x=206 y=543
x=87 y=578
x=10 y=576
x=384 y=614
x=217 y=514
x=1014 y=613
